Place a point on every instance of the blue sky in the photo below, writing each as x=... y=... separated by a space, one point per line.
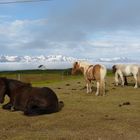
x=77 y=28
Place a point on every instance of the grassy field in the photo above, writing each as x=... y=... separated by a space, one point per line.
x=84 y=116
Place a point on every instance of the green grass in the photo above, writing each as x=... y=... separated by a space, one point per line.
x=39 y=77
x=84 y=116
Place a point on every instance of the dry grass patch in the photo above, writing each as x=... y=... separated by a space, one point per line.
x=84 y=116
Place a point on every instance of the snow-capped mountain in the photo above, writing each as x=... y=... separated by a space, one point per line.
x=50 y=58
x=35 y=62
x=53 y=62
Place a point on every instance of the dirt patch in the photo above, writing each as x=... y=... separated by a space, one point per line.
x=59 y=88
x=124 y=103
x=66 y=93
x=73 y=89
x=67 y=84
x=83 y=88
x=107 y=117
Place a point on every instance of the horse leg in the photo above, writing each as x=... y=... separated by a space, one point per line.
x=102 y=87
x=98 y=86
x=122 y=79
x=136 y=81
x=7 y=106
x=88 y=86
x=29 y=108
x=90 y=90
x=125 y=80
x=116 y=79
x=37 y=110
x=35 y=107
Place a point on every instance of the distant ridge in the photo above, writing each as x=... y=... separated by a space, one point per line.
x=14 y=62
x=41 y=58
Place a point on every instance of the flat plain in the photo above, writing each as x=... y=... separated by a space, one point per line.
x=115 y=116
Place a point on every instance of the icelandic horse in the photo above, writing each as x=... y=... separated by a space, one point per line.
x=123 y=71
x=31 y=100
x=91 y=72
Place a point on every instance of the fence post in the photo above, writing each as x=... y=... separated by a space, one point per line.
x=19 y=76
x=62 y=76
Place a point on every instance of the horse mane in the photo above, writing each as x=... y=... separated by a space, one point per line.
x=83 y=62
x=17 y=83
x=10 y=84
x=114 y=68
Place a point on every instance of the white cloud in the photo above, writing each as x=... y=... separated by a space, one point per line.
x=36 y=37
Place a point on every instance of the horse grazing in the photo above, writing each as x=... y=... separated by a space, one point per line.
x=30 y=100
x=123 y=71
x=92 y=72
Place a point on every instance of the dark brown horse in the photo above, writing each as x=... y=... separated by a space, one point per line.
x=24 y=97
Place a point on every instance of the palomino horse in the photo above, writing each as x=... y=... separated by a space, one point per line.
x=123 y=71
x=24 y=97
x=92 y=72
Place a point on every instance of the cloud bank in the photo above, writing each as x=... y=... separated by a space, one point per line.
x=77 y=28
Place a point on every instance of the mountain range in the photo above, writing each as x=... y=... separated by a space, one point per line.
x=58 y=58
x=8 y=62
x=41 y=58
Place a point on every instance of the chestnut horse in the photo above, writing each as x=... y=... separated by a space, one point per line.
x=24 y=97
x=122 y=71
x=92 y=72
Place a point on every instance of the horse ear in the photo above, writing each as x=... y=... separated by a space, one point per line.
x=114 y=68
x=76 y=62
x=2 y=89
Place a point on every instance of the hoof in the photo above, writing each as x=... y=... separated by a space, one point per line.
x=12 y=108
x=97 y=94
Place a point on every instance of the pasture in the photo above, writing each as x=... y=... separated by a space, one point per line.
x=83 y=117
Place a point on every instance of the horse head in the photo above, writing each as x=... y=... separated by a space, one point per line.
x=2 y=89
x=75 y=68
x=114 y=68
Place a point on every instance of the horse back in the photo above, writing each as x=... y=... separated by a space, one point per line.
x=127 y=70
x=39 y=96
x=43 y=92
x=94 y=72
x=43 y=95
x=97 y=72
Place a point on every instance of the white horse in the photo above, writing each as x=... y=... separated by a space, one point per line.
x=92 y=72
x=123 y=71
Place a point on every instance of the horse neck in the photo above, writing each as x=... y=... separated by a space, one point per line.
x=13 y=85
x=8 y=89
x=84 y=67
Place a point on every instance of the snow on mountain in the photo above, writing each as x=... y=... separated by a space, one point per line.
x=50 y=58
x=33 y=62
x=53 y=62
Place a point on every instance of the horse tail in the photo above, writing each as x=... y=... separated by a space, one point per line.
x=138 y=76
x=103 y=72
x=60 y=105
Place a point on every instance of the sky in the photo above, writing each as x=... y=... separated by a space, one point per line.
x=76 y=28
